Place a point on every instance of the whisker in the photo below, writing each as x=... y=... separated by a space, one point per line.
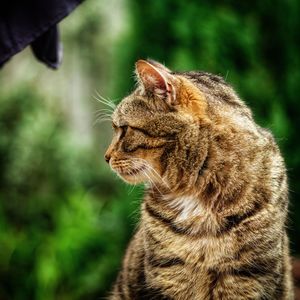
x=102 y=118
x=147 y=170
x=101 y=97
x=107 y=102
x=152 y=182
x=103 y=102
x=152 y=169
x=103 y=115
x=132 y=188
x=105 y=110
x=106 y=99
x=140 y=162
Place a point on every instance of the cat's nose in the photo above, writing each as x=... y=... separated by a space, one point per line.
x=107 y=157
x=109 y=152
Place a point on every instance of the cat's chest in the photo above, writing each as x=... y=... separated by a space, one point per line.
x=181 y=260
x=162 y=243
x=165 y=238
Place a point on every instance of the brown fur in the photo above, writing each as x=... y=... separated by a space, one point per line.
x=215 y=206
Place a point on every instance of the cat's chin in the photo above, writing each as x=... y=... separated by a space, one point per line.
x=131 y=179
x=132 y=176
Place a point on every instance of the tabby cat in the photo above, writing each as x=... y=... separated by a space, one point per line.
x=213 y=219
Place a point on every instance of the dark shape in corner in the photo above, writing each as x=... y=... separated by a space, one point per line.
x=34 y=23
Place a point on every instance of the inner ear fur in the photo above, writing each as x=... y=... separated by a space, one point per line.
x=156 y=79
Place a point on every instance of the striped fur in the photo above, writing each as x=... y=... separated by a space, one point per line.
x=213 y=221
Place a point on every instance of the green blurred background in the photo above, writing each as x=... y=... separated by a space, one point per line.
x=65 y=219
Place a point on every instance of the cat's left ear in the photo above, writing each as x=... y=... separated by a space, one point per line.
x=156 y=79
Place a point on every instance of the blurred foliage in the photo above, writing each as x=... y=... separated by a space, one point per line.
x=61 y=230
x=64 y=218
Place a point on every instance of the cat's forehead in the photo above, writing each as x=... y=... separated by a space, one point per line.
x=132 y=110
x=142 y=113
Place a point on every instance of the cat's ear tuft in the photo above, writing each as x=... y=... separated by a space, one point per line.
x=157 y=80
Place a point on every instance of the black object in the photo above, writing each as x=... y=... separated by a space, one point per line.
x=33 y=22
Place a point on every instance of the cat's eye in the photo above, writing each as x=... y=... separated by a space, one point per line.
x=124 y=130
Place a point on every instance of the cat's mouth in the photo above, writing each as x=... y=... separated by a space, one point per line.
x=132 y=175
x=131 y=172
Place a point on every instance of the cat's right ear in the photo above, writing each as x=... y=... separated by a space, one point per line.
x=156 y=80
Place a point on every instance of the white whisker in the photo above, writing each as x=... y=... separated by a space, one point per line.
x=103 y=115
x=141 y=162
x=146 y=163
x=107 y=102
x=102 y=118
x=132 y=188
x=104 y=110
x=152 y=182
x=103 y=102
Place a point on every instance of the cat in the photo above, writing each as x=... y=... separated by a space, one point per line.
x=213 y=218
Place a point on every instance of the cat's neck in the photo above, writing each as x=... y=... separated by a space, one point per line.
x=179 y=213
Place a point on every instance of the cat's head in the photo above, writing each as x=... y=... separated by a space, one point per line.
x=162 y=130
